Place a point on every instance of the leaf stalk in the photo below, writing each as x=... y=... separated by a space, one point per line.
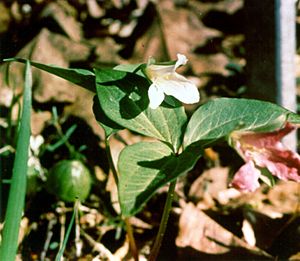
x=163 y=223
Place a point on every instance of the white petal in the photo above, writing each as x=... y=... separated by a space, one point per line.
x=156 y=96
x=154 y=71
x=181 y=60
x=180 y=88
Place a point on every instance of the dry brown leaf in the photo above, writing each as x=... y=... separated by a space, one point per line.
x=45 y=48
x=100 y=174
x=186 y=33
x=208 y=186
x=295 y=257
x=50 y=48
x=6 y=96
x=139 y=223
x=106 y=51
x=91 y=219
x=94 y=9
x=248 y=233
x=285 y=197
x=82 y=107
x=228 y=6
x=213 y=63
x=39 y=121
x=24 y=229
x=5 y=18
x=62 y=16
x=200 y=232
x=151 y=44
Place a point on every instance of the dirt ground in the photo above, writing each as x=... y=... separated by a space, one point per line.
x=209 y=220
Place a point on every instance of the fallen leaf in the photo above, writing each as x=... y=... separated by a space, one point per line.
x=200 y=232
x=186 y=33
x=38 y=121
x=208 y=186
x=285 y=197
x=5 y=18
x=248 y=233
x=64 y=19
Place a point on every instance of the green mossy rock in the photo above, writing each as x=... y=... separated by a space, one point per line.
x=69 y=180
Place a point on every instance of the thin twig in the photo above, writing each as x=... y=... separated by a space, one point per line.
x=78 y=242
x=51 y=224
x=62 y=221
x=99 y=247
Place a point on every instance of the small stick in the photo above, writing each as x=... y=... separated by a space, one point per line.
x=51 y=224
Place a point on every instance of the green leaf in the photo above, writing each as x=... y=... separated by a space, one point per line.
x=133 y=68
x=17 y=190
x=216 y=119
x=109 y=126
x=123 y=96
x=146 y=166
x=293 y=118
x=267 y=177
x=84 y=78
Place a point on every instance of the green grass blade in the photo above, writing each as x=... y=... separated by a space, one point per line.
x=62 y=249
x=17 y=191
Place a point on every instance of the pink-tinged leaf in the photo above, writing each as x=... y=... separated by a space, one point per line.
x=283 y=163
x=246 y=179
x=264 y=150
x=266 y=139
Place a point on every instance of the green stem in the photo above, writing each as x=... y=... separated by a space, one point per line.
x=60 y=253
x=110 y=161
x=133 y=248
x=163 y=223
x=129 y=229
x=69 y=146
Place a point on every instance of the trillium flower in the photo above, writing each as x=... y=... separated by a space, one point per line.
x=264 y=151
x=165 y=80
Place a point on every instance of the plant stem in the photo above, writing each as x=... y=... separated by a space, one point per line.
x=110 y=161
x=163 y=223
x=133 y=248
x=62 y=248
x=129 y=229
x=69 y=146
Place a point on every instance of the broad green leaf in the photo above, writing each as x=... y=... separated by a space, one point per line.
x=16 y=199
x=218 y=118
x=133 y=68
x=109 y=126
x=146 y=166
x=123 y=96
x=82 y=77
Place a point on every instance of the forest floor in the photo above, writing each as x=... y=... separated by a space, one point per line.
x=209 y=220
